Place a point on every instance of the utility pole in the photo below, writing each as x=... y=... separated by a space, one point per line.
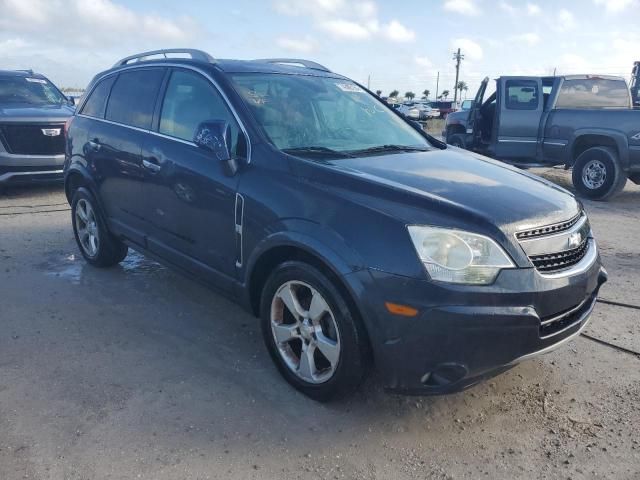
x=457 y=56
x=437 y=85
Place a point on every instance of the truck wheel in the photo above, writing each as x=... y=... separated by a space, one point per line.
x=97 y=245
x=317 y=344
x=457 y=140
x=597 y=173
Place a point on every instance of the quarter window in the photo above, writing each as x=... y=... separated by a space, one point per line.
x=94 y=106
x=521 y=94
x=190 y=100
x=133 y=97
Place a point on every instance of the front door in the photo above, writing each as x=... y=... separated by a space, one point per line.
x=520 y=104
x=190 y=201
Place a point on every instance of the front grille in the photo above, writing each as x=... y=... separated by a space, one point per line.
x=554 y=262
x=559 y=322
x=30 y=140
x=548 y=229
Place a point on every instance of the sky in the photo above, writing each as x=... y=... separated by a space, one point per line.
x=387 y=44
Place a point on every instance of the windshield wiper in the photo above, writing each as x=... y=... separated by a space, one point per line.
x=389 y=148
x=313 y=150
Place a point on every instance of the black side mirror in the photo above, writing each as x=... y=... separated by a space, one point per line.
x=71 y=101
x=215 y=136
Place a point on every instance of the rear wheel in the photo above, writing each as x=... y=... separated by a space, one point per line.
x=97 y=245
x=597 y=173
x=312 y=336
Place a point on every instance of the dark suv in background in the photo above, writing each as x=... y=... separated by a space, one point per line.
x=356 y=237
x=33 y=113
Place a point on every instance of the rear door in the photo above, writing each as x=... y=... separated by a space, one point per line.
x=520 y=104
x=116 y=143
x=190 y=202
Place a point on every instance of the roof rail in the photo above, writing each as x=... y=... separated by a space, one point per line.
x=295 y=61
x=140 y=57
x=28 y=70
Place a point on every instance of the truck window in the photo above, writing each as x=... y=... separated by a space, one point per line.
x=593 y=93
x=521 y=94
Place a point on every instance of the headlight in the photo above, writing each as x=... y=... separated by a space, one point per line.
x=455 y=256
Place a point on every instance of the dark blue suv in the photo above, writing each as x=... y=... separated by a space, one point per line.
x=353 y=235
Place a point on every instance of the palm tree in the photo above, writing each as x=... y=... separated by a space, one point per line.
x=462 y=86
x=378 y=92
x=409 y=95
x=394 y=94
x=445 y=94
x=425 y=94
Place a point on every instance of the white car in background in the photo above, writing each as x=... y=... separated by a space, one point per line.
x=409 y=110
x=426 y=111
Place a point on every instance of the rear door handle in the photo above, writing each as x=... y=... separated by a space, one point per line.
x=94 y=144
x=151 y=165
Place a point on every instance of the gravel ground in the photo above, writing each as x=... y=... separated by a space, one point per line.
x=137 y=372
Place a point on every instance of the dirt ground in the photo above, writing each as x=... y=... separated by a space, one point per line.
x=137 y=372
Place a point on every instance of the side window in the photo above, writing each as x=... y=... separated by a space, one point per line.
x=94 y=106
x=521 y=94
x=191 y=99
x=593 y=92
x=133 y=97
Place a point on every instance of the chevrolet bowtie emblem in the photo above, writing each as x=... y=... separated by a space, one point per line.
x=51 y=132
x=575 y=239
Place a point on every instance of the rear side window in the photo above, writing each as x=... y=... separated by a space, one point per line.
x=521 y=94
x=191 y=99
x=133 y=97
x=94 y=106
x=593 y=93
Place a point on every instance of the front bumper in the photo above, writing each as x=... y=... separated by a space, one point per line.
x=29 y=168
x=464 y=334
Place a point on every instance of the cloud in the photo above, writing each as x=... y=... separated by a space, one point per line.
x=298 y=45
x=564 y=21
x=346 y=29
x=507 y=7
x=529 y=39
x=465 y=7
x=470 y=49
x=533 y=9
x=422 y=61
x=397 y=32
x=615 y=6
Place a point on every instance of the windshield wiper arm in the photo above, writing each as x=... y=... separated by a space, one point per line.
x=316 y=150
x=390 y=148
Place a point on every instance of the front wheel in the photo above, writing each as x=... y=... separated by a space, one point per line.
x=312 y=336
x=457 y=140
x=597 y=173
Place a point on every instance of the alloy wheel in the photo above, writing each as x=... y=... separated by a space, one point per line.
x=305 y=332
x=594 y=174
x=87 y=227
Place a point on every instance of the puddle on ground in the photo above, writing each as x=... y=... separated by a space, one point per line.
x=73 y=267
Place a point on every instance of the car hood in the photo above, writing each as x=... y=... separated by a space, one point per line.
x=30 y=113
x=455 y=182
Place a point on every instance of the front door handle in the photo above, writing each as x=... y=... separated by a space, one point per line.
x=94 y=145
x=150 y=165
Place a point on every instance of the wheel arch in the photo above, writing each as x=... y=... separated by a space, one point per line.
x=585 y=139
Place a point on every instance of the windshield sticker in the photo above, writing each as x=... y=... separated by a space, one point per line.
x=35 y=80
x=349 y=87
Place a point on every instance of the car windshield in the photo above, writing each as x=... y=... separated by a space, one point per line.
x=29 y=90
x=318 y=115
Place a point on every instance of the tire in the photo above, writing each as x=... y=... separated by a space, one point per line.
x=457 y=140
x=98 y=246
x=597 y=173
x=335 y=340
